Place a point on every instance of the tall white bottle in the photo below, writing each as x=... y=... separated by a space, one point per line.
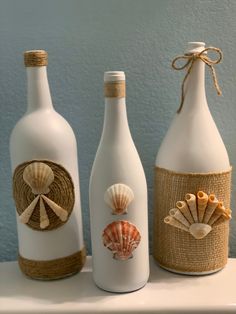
x=118 y=200
x=191 y=158
x=46 y=189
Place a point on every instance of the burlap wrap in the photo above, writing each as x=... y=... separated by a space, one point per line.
x=53 y=269
x=176 y=249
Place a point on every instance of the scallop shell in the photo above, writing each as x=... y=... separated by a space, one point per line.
x=122 y=238
x=118 y=197
x=38 y=176
x=198 y=214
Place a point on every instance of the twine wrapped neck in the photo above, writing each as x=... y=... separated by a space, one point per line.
x=190 y=59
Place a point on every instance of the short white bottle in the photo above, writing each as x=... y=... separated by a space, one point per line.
x=50 y=246
x=118 y=199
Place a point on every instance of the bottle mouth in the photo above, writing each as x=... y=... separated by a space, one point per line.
x=114 y=76
x=195 y=47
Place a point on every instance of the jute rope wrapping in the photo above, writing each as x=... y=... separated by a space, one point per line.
x=114 y=89
x=61 y=192
x=53 y=269
x=35 y=58
x=176 y=249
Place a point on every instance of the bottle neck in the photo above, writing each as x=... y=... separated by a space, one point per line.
x=194 y=89
x=115 y=125
x=38 y=92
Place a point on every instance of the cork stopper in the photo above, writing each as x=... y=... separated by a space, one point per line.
x=35 y=58
x=114 y=84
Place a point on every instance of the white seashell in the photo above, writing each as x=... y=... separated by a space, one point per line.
x=176 y=213
x=175 y=223
x=191 y=201
x=44 y=221
x=183 y=207
x=199 y=230
x=198 y=215
x=58 y=210
x=118 y=197
x=38 y=176
x=27 y=213
x=122 y=238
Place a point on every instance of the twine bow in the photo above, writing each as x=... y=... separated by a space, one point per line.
x=190 y=59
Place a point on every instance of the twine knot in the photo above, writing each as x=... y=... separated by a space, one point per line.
x=190 y=59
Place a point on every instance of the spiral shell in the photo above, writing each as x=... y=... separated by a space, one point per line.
x=122 y=238
x=118 y=197
x=38 y=176
x=198 y=214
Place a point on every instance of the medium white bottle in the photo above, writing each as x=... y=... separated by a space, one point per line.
x=46 y=189
x=118 y=200
x=191 y=158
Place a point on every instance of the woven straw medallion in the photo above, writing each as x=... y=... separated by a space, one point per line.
x=44 y=194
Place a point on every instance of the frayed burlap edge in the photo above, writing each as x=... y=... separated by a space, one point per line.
x=176 y=249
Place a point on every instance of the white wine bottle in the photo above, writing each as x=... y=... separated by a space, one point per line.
x=118 y=199
x=46 y=189
x=192 y=158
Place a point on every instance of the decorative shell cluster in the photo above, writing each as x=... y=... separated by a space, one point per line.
x=198 y=214
x=118 y=197
x=39 y=176
x=122 y=238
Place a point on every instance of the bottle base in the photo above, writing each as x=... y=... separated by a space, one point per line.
x=203 y=273
x=53 y=269
x=121 y=289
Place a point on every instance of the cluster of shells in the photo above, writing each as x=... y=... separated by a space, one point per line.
x=198 y=214
x=39 y=176
x=120 y=237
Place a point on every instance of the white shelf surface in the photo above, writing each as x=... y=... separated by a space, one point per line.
x=165 y=293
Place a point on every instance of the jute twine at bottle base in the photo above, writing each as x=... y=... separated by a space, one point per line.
x=176 y=249
x=53 y=269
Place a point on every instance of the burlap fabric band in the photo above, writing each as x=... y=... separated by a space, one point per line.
x=176 y=249
x=61 y=192
x=53 y=269
x=114 y=89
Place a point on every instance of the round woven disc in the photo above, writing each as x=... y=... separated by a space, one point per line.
x=61 y=192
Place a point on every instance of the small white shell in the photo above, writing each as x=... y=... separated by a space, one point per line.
x=198 y=215
x=58 y=210
x=199 y=230
x=38 y=176
x=118 y=197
